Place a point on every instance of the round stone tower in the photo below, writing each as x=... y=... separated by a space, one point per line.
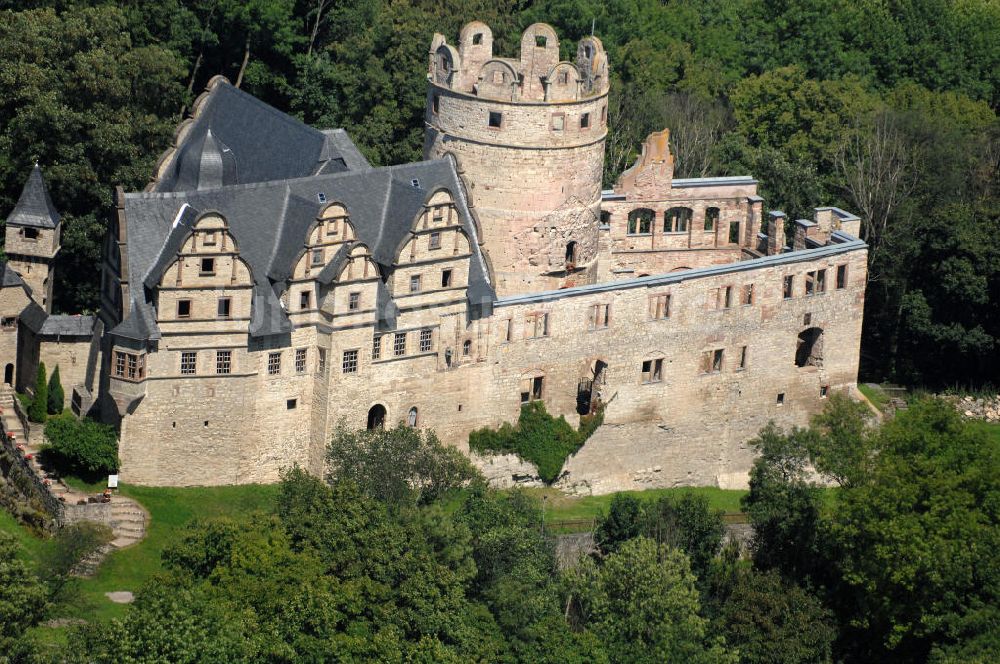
x=528 y=136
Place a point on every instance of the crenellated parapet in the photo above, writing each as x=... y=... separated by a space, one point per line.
x=536 y=75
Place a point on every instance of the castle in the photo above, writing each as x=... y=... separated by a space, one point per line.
x=270 y=283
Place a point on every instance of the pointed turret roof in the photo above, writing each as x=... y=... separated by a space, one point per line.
x=34 y=207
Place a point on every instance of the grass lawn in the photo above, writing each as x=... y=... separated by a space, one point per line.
x=32 y=547
x=991 y=430
x=876 y=395
x=561 y=507
x=170 y=509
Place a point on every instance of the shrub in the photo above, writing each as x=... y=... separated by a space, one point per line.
x=56 y=395
x=83 y=445
x=40 y=404
x=543 y=440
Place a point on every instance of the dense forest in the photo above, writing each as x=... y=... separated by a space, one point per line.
x=886 y=108
x=403 y=554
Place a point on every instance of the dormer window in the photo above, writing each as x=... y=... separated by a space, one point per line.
x=321 y=197
x=415 y=184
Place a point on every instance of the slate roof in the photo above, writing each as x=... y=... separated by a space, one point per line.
x=286 y=173
x=8 y=277
x=258 y=143
x=34 y=207
x=33 y=316
x=68 y=326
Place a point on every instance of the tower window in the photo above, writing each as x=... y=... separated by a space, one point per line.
x=477 y=39
x=540 y=41
x=435 y=104
x=496 y=119
x=30 y=233
x=354 y=301
x=585 y=121
x=350 y=362
x=445 y=278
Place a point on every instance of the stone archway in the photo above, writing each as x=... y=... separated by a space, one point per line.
x=376 y=417
x=809 y=348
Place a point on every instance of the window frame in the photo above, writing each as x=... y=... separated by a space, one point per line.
x=189 y=362
x=349 y=361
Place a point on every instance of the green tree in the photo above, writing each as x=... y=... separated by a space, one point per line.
x=917 y=542
x=40 y=403
x=686 y=523
x=644 y=607
x=399 y=465
x=56 y=395
x=772 y=621
x=83 y=445
x=624 y=521
x=23 y=600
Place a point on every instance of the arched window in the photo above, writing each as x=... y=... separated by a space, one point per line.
x=411 y=417
x=640 y=221
x=571 y=253
x=809 y=348
x=467 y=347
x=711 y=218
x=677 y=220
x=376 y=417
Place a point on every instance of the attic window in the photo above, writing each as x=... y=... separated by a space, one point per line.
x=321 y=197
x=415 y=183
x=477 y=39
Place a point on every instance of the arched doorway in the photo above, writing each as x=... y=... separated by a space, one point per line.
x=571 y=255
x=411 y=418
x=376 y=417
x=8 y=374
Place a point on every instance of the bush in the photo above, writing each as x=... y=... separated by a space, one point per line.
x=56 y=395
x=83 y=445
x=543 y=440
x=40 y=404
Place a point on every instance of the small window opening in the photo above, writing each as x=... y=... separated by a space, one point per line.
x=824 y=391
x=184 y=308
x=540 y=41
x=659 y=306
x=354 y=301
x=350 y=362
x=30 y=233
x=415 y=183
x=291 y=404
x=531 y=389
x=317 y=257
x=677 y=220
x=273 y=364
x=652 y=371
x=571 y=253
x=809 y=348
x=467 y=347
x=225 y=308
x=788 y=287
x=585 y=121
x=208 y=266
x=495 y=119
x=445 y=278
x=734 y=232
x=435 y=240
x=321 y=197
x=563 y=77
x=477 y=39
x=415 y=283
x=841 y=277
x=435 y=104
x=807 y=318
x=728 y=297
x=711 y=218
x=747 y=295
x=305 y=300
x=781 y=399
x=743 y=357
x=411 y=417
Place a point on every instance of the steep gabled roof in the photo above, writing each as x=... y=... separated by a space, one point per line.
x=237 y=139
x=34 y=207
x=8 y=277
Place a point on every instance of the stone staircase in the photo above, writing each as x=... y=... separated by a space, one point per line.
x=128 y=525
x=127 y=517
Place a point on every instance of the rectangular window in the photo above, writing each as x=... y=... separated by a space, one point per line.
x=435 y=104
x=30 y=233
x=652 y=371
x=538 y=324
x=225 y=307
x=434 y=241
x=506 y=330
x=184 y=308
x=9 y=322
x=659 y=306
x=317 y=257
x=734 y=232
x=305 y=300
x=599 y=316
x=788 y=289
x=841 y=277
x=821 y=281
x=810 y=283
x=350 y=364
x=223 y=361
x=425 y=341
x=207 y=266
x=824 y=391
x=377 y=347
x=728 y=299
x=496 y=119
x=445 y=278
x=531 y=389
x=747 y=295
x=711 y=361
x=332 y=227
x=354 y=301
x=414 y=283
x=585 y=121
x=438 y=216
x=291 y=404
x=273 y=364
x=300 y=360
x=743 y=357
x=321 y=362
x=399 y=344
x=780 y=400
x=210 y=238
x=189 y=362
x=558 y=121
x=119 y=364
x=132 y=369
